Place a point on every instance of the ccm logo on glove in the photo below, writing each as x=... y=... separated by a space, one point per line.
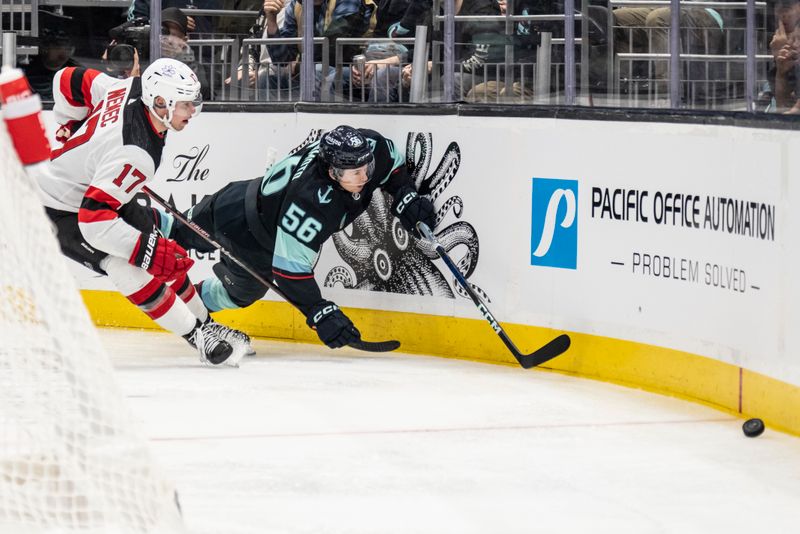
x=333 y=327
x=412 y=208
x=324 y=311
x=405 y=201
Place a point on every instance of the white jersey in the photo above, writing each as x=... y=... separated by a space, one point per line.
x=113 y=154
x=77 y=91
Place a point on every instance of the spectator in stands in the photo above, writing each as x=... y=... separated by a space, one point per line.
x=174 y=44
x=479 y=46
x=55 y=52
x=258 y=58
x=378 y=81
x=398 y=89
x=400 y=18
x=121 y=61
x=382 y=69
x=525 y=40
x=646 y=30
x=332 y=19
x=131 y=45
x=200 y=25
x=230 y=25
x=784 y=76
x=174 y=22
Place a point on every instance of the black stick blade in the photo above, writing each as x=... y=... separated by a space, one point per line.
x=375 y=346
x=554 y=348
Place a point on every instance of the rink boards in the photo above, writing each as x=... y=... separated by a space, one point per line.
x=666 y=251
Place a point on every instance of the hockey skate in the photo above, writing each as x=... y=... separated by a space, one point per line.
x=212 y=348
x=236 y=338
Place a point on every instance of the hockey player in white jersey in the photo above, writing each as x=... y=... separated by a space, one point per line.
x=113 y=133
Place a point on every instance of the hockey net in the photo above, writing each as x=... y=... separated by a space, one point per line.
x=72 y=458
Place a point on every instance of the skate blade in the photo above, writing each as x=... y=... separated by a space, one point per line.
x=239 y=352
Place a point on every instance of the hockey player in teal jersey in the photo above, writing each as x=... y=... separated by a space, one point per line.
x=277 y=224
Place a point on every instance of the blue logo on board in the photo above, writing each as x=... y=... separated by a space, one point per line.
x=554 y=223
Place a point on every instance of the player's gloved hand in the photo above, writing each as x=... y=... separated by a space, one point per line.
x=66 y=130
x=163 y=258
x=333 y=327
x=397 y=30
x=411 y=208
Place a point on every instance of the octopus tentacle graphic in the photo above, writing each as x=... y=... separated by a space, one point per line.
x=434 y=185
x=339 y=275
x=383 y=256
x=453 y=202
x=418 y=146
x=312 y=136
x=462 y=233
x=358 y=250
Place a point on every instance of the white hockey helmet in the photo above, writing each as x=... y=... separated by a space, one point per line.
x=174 y=82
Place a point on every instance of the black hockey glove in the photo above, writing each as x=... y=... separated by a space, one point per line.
x=411 y=208
x=333 y=327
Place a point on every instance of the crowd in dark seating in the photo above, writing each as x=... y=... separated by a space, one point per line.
x=495 y=58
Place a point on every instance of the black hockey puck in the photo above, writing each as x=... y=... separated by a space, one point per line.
x=753 y=428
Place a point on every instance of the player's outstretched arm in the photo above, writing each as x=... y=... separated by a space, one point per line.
x=360 y=344
x=392 y=175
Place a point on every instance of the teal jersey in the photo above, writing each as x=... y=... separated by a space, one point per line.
x=300 y=206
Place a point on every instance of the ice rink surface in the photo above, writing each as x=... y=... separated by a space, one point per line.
x=302 y=439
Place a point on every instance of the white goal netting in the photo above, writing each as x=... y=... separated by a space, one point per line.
x=72 y=458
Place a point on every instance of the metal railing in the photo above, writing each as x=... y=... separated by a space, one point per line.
x=223 y=55
x=674 y=33
x=366 y=90
x=272 y=75
x=704 y=91
x=20 y=17
x=554 y=72
x=569 y=17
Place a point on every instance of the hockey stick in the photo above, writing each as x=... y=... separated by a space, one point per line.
x=547 y=352
x=368 y=346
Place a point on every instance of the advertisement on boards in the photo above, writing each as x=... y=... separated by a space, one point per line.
x=672 y=235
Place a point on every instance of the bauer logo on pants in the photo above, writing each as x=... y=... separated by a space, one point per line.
x=554 y=223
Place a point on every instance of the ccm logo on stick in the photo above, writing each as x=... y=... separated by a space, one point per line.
x=489 y=317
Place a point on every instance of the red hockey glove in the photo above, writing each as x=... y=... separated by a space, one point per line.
x=66 y=130
x=163 y=258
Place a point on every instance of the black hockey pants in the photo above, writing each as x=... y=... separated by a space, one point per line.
x=74 y=246
x=222 y=215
